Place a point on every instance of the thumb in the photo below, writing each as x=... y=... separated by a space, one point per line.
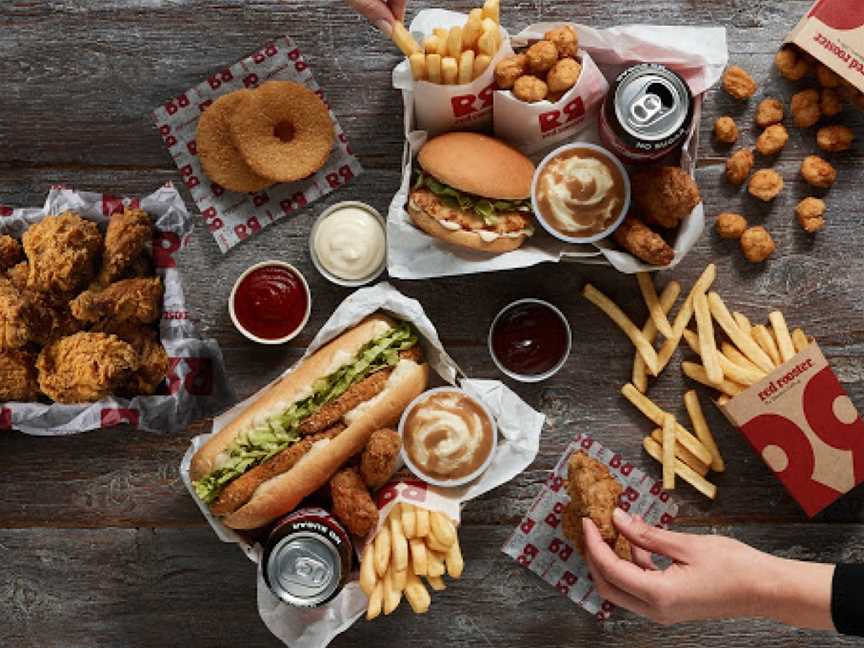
x=667 y=543
x=377 y=12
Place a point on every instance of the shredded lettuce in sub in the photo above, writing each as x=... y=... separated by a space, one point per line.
x=486 y=209
x=257 y=444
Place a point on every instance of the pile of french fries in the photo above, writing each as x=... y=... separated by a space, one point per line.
x=746 y=356
x=458 y=55
x=412 y=542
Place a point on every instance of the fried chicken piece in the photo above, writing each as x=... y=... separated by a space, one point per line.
x=664 y=195
x=757 y=244
x=18 y=275
x=772 y=140
x=738 y=83
x=11 y=252
x=63 y=252
x=128 y=237
x=565 y=39
x=332 y=412
x=352 y=503
x=564 y=75
x=415 y=354
x=509 y=69
x=529 y=88
x=818 y=172
x=643 y=243
x=769 y=111
x=811 y=214
x=380 y=457
x=805 y=108
x=15 y=328
x=542 y=55
x=835 y=138
x=153 y=360
x=18 y=377
x=85 y=367
x=739 y=165
x=129 y=300
x=50 y=317
x=827 y=77
x=726 y=130
x=830 y=102
x=766 y=185
x=240 y=490
x=571 y=527
x=730 y=225
x=438 y=209
x=790 y=65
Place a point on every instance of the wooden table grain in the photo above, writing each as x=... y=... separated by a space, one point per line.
x=99 y=543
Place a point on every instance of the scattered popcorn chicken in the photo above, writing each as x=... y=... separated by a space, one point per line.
x=805 y=108
x=757 y=244
x=835 y=138
x=772 y=140
x=730 y=225
x=738 y=83
x=791 y=65
x=811 y=214
x=766 y=185
x=725 y=130
x=739 y=165
x=830 y=102
x=818 y=172
x=769 y=111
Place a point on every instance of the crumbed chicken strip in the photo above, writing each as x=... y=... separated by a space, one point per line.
x=643 y=243
x=380 y=457
x=129 y=300
x=240 y=491
x=153 y=360
x=352 y=503
x=15 y=328
x=128 y=236
x=18 y=377
x=63 y=252
x=436 y=208
x=11 y=252
x=332 y=412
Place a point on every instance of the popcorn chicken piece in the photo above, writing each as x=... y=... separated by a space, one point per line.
x=766 y=185
x=730 y=225
x=769 y=111
x=566 y=40
x=739 y=165
x=757 y=244
x=830 y=102
x=563 y=75
x=790 y=65
x=772 y=140
x=509 y=69
x=529 y=88
x=811 y=214
x=827 y=77
x=542 y=55
x=738 y=83
x=818 y=172
x=805 y=108
x=835 y=138
x=725 y=130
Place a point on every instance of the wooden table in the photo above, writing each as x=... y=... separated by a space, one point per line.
x=100 y=544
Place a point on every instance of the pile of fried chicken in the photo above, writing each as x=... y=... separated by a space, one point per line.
x=78 y=310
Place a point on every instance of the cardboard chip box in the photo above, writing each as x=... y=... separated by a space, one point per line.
x=802 y=423
x=833 y=33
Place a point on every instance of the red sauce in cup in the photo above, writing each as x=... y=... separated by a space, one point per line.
x=530 y=339
x=271 y=302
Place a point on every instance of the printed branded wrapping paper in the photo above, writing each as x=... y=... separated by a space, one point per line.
x=539 y=544
x=802 y=423
x=196 y=387
x=233 y=217
x=519 y=429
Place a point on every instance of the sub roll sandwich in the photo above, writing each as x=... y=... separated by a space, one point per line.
x=301 y=431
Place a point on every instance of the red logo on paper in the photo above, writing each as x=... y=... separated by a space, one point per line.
x=553 y=119
x=527 y=525
x=299 y=63
x=165 y=244
x=250 y=80
x=336 y=180
x=212 y=219
x=297 y=201
x=245 y=230
x=5 y=418
x=117 y=416
x=840 y=14
x=113 y=205
x=5 y=211
x=464 y=105
x=529 y=552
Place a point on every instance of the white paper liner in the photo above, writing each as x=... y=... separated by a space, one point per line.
x=519 y=428
x=233 y=217
x=196 y=377
x=699 y=54
x=539 y=544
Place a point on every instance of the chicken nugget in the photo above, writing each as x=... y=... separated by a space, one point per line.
x=818 y=172
x=827 y=77
x=790 y=65
x=725 y=130
x=811 y=214
x=757 y=244
x=529 y=88
x=639 y=240
x=739 y=165
x=11 y=252
x=766 y=185
x=730 y=225
x=738 y=83
x=772 y=140
x=542 y=55
x=835 y=138
x=564 y=75
x=380 y=457
x=664 y=195
x=769 y=111
x=509 y=69
x=805 y=108
x=352 y=503
x=830 y=102
x=566 y=40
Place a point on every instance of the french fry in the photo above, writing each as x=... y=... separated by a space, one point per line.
x=799 y=339
x=422 y=523
x=433 y=68
x=433 y=544
x=683 y=471
x=443 y=36
x=481 y=62
x=453 y=560
x=399 y=544
x=682 y=319
x=748 y=375
x=646 y=350
x=417 y=595
x=409 y=520
x=743 y=341
x=454 y=42
x=734 y=355
x=669 y=452
x=376 y=600
x=399 y=579
x=436 y=583
x=487 y=42
x=722 y=399
x=667 y=300
x=707 y=345
x=655 y=414
x=466 y=67
x=419 y=562
x=449 y=70
x=435 y=564
x=703 y=432
x=392 y=595
x=682 y=453
x=492 y=10
x=404 y=40
x=766 y=342
x=655 y=310
x=697 y=372
x=431 y=45
x=472 y=29
x=382 y=551
x=418 y=66
x=442 y=528
x=781 y=332
x=368 y=578
x=743 y=323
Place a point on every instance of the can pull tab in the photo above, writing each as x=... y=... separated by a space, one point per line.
x=652 y=105
x=309 y=569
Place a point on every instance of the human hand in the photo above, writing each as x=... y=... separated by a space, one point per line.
x=381 y=13
x=711 y=577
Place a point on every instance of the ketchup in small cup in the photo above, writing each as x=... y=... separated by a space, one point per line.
x=530 y=340
x=270 y=302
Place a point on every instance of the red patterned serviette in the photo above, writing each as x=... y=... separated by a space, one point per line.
x=539 y=544
x=233 y=217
